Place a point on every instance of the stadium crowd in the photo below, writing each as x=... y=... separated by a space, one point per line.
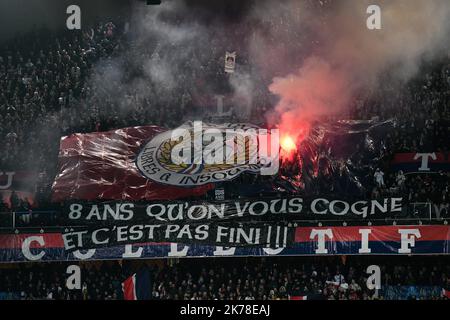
x=274 y=278
x=47 y=90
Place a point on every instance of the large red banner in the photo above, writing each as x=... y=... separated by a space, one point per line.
x=101 y=166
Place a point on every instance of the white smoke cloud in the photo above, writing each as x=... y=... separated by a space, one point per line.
x=314 y=55
x=344 y=57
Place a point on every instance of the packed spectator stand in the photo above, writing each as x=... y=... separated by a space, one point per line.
x=272 y=278
x=45 y=93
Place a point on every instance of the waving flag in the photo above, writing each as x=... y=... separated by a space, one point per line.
x=446 y=293
x=230 y=62
x=137 y=286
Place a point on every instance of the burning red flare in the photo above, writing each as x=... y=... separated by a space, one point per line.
x=288 y=147
x=288 y=144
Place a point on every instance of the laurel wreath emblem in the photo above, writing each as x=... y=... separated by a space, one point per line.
x=164 y=158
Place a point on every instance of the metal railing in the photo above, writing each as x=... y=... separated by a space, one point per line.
x=15 y=219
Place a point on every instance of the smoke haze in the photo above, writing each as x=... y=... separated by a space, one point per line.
x=314 y=56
